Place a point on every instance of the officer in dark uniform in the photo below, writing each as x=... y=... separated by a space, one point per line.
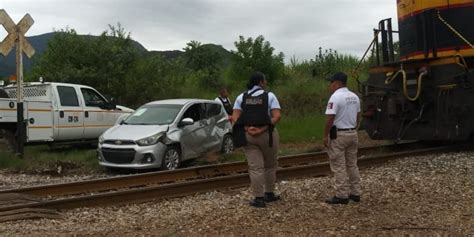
x=224 y=99
x=256 y=112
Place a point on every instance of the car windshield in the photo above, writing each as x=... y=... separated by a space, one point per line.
x=154 y=115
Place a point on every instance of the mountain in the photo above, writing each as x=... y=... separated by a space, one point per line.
x=167 y=54
x=40 y=44
x=8 y=64
x=173 y=54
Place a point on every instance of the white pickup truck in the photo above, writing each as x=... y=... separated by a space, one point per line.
x=58 y=112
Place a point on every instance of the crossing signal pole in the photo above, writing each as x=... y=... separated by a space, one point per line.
x=16 y=38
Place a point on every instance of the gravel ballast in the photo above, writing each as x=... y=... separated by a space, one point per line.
x=423 y=195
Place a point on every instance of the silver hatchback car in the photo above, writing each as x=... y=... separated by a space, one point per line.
x=164 y=133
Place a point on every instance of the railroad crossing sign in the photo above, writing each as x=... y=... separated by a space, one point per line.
x=16 y=33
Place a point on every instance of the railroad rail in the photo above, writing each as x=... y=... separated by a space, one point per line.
x=159 y=185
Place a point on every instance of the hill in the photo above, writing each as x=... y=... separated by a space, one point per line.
x=40 y=43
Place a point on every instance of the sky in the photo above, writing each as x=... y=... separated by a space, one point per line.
x=295 y=27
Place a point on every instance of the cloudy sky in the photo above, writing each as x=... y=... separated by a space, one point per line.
x=295 y=27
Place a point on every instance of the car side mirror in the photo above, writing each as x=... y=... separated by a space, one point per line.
x=186 y=122
x=110 y=105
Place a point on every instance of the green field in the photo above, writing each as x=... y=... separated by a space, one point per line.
x=301 y=129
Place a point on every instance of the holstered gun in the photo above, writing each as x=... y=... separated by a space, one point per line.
x=333 y=132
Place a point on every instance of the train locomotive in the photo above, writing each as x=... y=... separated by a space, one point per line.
x=426 y=91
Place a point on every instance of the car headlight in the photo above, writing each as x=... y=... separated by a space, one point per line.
x=101 y=140
x=151 y=140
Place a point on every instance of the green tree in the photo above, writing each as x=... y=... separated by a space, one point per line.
x=329 y=61
x=257 y=55
x=205 y=61
x=114 y=54
x=101 y=62
x=66 y=58
x=154 y=78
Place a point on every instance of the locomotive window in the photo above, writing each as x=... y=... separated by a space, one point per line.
x=68 y=96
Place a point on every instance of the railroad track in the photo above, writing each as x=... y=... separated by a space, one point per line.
x=159 y=185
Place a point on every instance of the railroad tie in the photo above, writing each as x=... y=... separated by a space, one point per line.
x=29 y=213
x=7 y=199
x=11 y=199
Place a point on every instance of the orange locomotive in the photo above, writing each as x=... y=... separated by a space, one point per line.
x=426 y=90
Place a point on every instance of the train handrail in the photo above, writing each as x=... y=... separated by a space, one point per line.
x=405 y=85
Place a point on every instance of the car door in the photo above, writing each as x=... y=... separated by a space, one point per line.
x=69 y=114
x=194 y=135
x=96 y=119
x=213 y=133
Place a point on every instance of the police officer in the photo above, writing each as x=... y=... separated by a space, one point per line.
x=224 y=99
x=340 y=137
x=258 y=111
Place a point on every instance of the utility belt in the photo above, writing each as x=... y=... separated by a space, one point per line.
x=346 y=129
x=334 y=130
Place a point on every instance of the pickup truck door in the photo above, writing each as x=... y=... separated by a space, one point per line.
x=96 y=119
x=69 y=114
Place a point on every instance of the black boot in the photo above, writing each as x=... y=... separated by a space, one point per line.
x=257 y=202
x=354 y=198
x=271 y=197
x=337 y=200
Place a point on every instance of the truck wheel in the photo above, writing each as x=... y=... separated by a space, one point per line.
x=171 y=158
x=227 y=144
x=9 y=138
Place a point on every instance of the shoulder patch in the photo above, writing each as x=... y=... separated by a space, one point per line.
x=330 y=105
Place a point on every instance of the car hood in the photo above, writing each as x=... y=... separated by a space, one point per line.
x=133 y=132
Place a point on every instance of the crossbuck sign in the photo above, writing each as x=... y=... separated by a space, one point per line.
x=16 y=32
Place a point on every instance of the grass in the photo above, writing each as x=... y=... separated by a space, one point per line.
x=43 y=158
x=301 y=129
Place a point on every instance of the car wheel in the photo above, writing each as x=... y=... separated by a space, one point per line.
x=227 y=144
x=171 y=158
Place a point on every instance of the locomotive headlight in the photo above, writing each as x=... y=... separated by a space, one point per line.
x=151 y=140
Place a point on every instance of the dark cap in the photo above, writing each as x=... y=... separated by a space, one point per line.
x=338 y=76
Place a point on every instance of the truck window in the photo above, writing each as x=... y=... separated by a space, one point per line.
x=92 y=98
x=67 y=96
